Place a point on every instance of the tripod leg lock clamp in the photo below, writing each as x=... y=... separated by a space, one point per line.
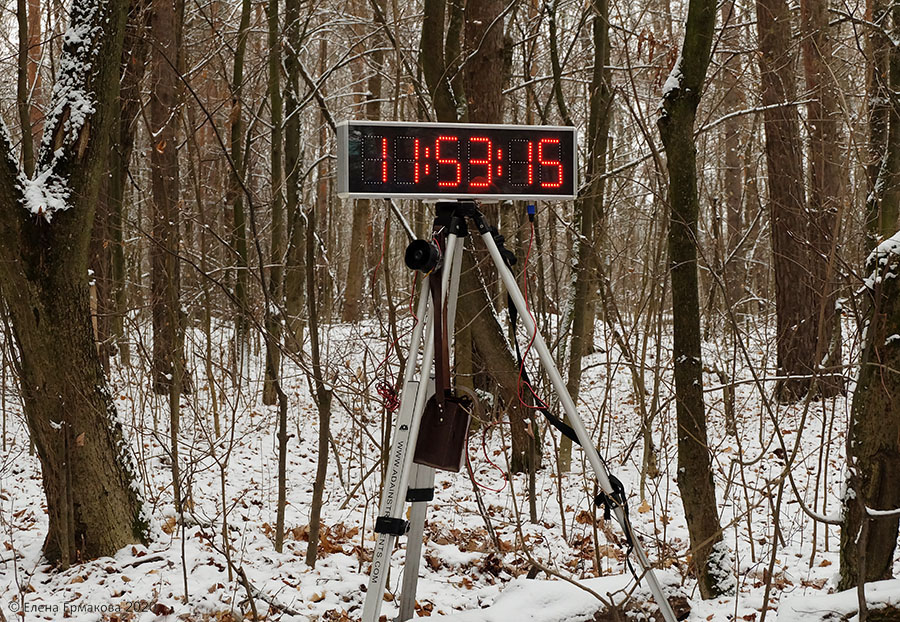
x=392 y=526
x=416 y=495
x=614 y=500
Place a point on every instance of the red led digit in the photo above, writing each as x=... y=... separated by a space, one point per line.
x=543 y=162
x=440 y=160
x=531 y=162
x=486 y=162
x=384 y=167
x=416 y=157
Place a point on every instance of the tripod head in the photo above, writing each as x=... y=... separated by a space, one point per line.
x=426 y=256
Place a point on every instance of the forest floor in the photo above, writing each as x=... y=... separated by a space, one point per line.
x=183 y=573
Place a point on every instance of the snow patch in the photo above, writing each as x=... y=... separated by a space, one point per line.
x=880 y=258
x=719 y=566
x=676 y=76
x=47 y=192
x=843 y=605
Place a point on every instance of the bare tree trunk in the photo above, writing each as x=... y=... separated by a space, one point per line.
x=795 y=301
x=825 y=141
x=887 y=191
x=133 y=67
x=323 y=393
x=681 y=96
x=323 y=197
x=86 y=466
x=294 y=281
x=360 y=237
x=277 y=246
x=483 y=76
x=28 y=84
x=164 y=249
x=22 y=95
x=107 y=256
x=732 y=186
x=235 y=194
x=433 y=62
x=276 y=279
x=168 y=354
x=589 y=211
x=878 y=51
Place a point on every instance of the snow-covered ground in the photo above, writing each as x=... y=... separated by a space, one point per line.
x=464 y=577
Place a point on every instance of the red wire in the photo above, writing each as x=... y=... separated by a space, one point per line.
x=486 y=457
x=520 y=383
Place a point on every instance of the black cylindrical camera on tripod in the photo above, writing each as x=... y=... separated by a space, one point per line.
x=422 y=255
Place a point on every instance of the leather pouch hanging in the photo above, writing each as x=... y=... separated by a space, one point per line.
x=442 y=433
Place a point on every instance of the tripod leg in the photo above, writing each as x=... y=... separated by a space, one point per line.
x=389 y=525
x=584 y=438
x=422 y=480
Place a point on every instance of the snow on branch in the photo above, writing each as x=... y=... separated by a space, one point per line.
x=880 y=261
x=676 y=77
x=68 y=121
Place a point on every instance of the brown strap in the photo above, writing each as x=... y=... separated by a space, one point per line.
x=441 y=345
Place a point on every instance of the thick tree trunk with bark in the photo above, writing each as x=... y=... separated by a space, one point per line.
x=277 y=245
x=361 y=232
x=872 y=446
x=433 y=62
x=825 y=142
x=483 y=72
x=165 y=278
x=475 y=310
x=732 y=183
x=22 y=82
x=681 y=97
x=295 y=270
x=107 y=255
x=234 y=195
x=483 y=77
x=878 y=50
x=87 y=468
x=795 y=300
x=885 y=197
x=133 y=62
x=878 y=109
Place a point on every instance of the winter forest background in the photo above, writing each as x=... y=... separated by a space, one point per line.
x=202 y=344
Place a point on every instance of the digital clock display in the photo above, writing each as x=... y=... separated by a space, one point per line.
x=432 y=160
